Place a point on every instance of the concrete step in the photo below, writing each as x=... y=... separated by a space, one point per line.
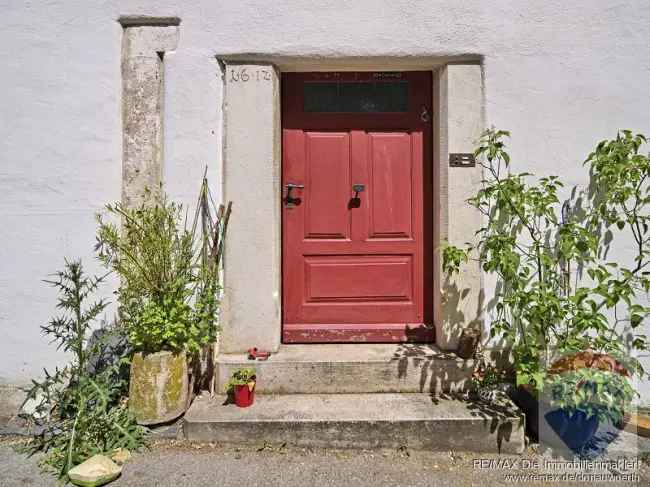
x=368 y=421
x=353 y=368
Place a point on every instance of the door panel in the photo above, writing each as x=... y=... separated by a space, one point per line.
x=353 y=278
x=390 y=196
x=327 y=166
x=353 y=262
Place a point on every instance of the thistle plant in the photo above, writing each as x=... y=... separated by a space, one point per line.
x=80 y=412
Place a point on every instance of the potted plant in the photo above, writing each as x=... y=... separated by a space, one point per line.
x=580 y=400
x=167 y=297
x=558 y=295
x=242 y=387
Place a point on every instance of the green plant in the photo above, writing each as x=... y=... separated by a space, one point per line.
x=558 y=294
x=169 y=272
x=240 y=377
x=595 y=392
x=452 y=258
x=80 y=408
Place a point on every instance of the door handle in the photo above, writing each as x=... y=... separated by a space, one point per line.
x=289 y=200
x=355 y=201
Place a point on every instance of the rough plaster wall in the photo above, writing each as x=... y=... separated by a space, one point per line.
x=559 y=74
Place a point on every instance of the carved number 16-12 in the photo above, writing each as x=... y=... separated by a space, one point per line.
x=243 y=75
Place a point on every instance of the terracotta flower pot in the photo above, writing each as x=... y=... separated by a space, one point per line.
x=244 y=394
x=158 y=387
x=590 y=359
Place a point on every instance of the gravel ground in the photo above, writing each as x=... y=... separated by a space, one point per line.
x=175 y=463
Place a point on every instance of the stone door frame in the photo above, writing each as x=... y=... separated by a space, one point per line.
x=251 y=313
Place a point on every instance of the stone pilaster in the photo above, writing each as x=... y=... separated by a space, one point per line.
x=460 y=126
x=251 y=175
x=143 y=48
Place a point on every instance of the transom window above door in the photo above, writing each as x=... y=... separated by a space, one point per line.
x=356 y=96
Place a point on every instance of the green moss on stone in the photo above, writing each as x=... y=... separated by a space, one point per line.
x=159 y=387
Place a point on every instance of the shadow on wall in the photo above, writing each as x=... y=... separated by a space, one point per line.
x=454 y=319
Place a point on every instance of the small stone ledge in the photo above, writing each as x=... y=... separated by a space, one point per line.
x=145 y=21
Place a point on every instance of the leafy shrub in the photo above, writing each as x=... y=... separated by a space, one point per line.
x=596 y=392
x=80 y=408
x=558 y=294
x=168 y=293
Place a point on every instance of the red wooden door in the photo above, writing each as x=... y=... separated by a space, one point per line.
x=356 y=147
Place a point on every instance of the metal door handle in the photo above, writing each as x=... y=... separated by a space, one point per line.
x=355 y=201
x=290 y=200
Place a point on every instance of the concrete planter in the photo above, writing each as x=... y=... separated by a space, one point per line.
x=158 y=388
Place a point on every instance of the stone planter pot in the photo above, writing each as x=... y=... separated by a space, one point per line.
x=158 y=387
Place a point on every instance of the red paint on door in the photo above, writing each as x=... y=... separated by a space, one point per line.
x=354 y=263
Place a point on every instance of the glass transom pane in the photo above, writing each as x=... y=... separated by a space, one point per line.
x=351 y=97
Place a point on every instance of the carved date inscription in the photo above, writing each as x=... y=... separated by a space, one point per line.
x=244 y=75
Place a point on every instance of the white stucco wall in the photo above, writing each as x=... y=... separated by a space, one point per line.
x=561 y=75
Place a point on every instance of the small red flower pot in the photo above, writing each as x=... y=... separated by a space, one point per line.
x=244 y=395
